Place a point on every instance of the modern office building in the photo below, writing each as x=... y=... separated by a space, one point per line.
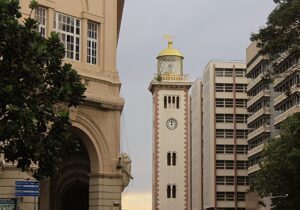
x=171 y=133
x=274 y=94
x=224 y=137
x=92 y=178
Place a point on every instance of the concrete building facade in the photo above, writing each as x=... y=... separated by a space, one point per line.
x=171 y=133
x=92 y=178
x=224 y=145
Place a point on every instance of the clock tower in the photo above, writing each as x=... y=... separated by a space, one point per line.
x=171 y=133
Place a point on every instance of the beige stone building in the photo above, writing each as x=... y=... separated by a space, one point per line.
x=171 y=133
x=92 y=178
x=223 y=140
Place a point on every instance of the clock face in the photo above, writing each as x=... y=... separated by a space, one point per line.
x=171 y=124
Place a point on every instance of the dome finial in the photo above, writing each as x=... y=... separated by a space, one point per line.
x=169 y=38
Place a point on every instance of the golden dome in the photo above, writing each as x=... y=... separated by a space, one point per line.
x=170 y=51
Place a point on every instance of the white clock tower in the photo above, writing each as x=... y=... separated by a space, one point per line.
x=171 y=133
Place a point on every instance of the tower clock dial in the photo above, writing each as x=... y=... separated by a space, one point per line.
x=171 y=124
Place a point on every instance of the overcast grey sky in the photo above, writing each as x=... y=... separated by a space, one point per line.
x=204 y=30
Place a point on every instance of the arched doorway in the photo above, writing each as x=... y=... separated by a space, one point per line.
x=75 y=196
x=69 y=189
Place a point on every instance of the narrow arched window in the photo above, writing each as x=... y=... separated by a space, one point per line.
x=177 y=102
x=174 y=191
x=169 y=158
x=165 y=102
x=174 y=158
x=168 y=191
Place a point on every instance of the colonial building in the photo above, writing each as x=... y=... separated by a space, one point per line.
x=171 y=133
x=220 y=139
x=92 y=178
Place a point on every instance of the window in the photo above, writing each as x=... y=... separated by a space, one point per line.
x=224 y=180
x=68 y=29
x=92 y=37
x=241 y=164
x=241 y=149
x=240 y=196
x=225 y=196
x=171 y=191
x=224 y=149
x=171 y=102
x=242 y=180
x=241 y=118
x=228 y=72
x=224 y=164
x=240 y=72
x=40 y=16
x=241 y=103
x=171 y=158
x=224 y=133
x=241 y=134
x=241 y=88
x=219 y=72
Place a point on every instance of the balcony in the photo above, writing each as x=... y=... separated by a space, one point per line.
x=264 y=110
x=258 y=131
x=171 y=77
x=287 y=113
x=256 y=150
x=285 y=74
x=253 y=169
x=257 y=97
x=254 y=82
x=284 y=96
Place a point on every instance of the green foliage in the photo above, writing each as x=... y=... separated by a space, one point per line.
x=33 y=82
x=281 y=33
x=280 y=170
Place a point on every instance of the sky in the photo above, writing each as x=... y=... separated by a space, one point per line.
x=203 y=30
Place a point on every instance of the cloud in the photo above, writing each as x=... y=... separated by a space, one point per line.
x=137 y=201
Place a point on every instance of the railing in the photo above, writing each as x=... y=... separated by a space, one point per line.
x=254 y=82
x=258 y=96
x=171 y=77
x=264 y=110
x=256 y=132
x=284 y=75
x=287 y=113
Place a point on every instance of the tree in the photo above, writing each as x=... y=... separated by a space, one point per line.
x=34 y=83
x=280 y=170
x=281 y=33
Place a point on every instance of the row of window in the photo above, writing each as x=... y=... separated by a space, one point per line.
x=260 y=68
x=293 y=101
x=265 y=120
x=258 y=141
x=171 y=191
x=228 y=102
x=293 y=81
x=229 y=149
x=171 y=102
x=264 y=102
x=229 y=180
x=229 y=133
x=228 y=118
x=224 y=87
x=229 y=164
x=255 y=159
x=221 y=72
x=286 y=64
x=69 y=30
x=258 y=89
x=171 y=158
x=229 y=196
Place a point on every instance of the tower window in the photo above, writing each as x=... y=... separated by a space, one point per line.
x=171 y=191
x=171 y=102
x=171 y=158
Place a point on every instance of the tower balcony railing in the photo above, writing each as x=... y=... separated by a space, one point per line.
x=171 y=77
x=283 y=115
x=263 y=93
x=254 y=82
x=283 y=96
